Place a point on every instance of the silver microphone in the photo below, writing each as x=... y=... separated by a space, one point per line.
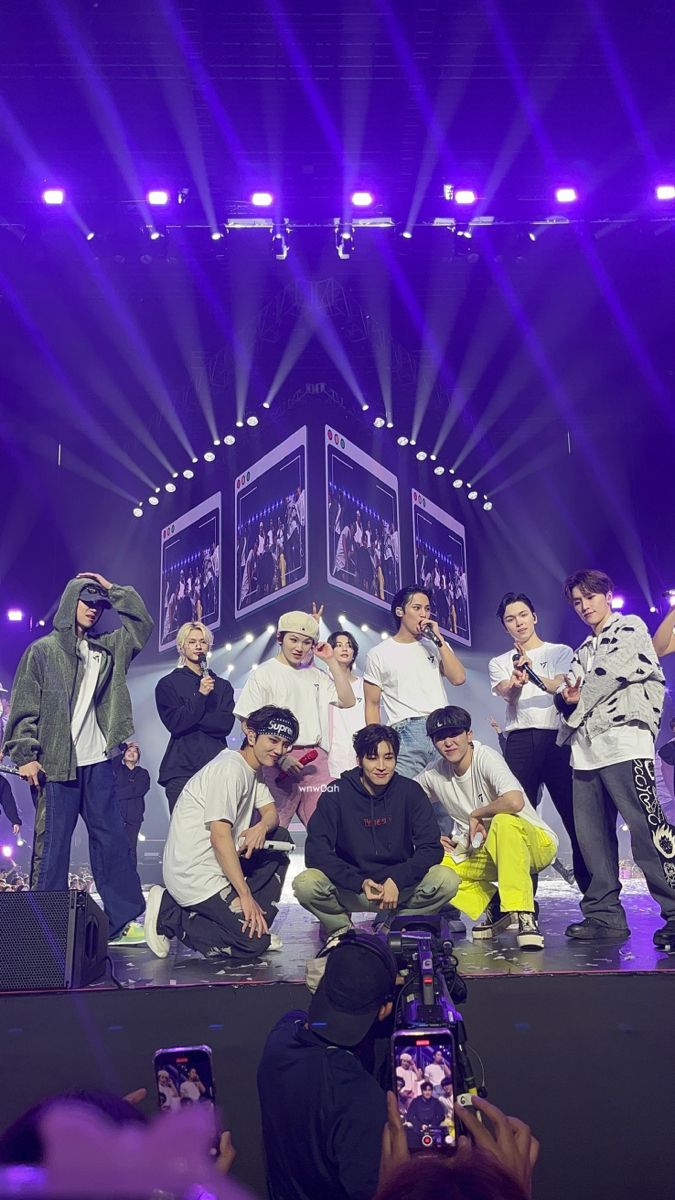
x=428 y=631
x=203 y=666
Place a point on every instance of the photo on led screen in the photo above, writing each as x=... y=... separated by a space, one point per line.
x=363 y=552
x=270 y=540
x=190 y=571
x=440 y=565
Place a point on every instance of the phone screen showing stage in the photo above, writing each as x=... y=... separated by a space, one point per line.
x=184 y=1076
x=424 y=1081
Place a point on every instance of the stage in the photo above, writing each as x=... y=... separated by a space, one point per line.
x=576 y=1040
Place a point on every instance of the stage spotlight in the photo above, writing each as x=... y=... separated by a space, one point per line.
x=158 y=198
x=216 y=235
x=362 y=199
x=433 y=457
x=216 y=441
x=42 y=623
x=90 y=235
x=439 y=470
x=390 y=424
x=402 y=441
x=365 y=629
x=248 y=638
x=228 y=645
x=230 y=668
x=413 y=442
x=209 y=456
x=141 y=837
x=665 y=191
x=279 y=242
x=342 y=618
x=153 y=500
x=262 y=199
x=473 y=494
x=365 y=407
x=465 y=196
x=229 y=439
x=458 y=483
x=421 y=455
x=239 y=423
x=6 y=851
x=188 y=474
x=174 y=474
x=267 y=404
x=252 y=421
x=169 y=487
x=379 y=422
x=155 y=235
x=384 y=635
x=14 y=614
x=566 y=195
x=53 y=196
x=487 y=507
x=195 y=459
x=407 y=233
x=618 y=602
x=137 y=511
x=271 y=629
x=344 y=239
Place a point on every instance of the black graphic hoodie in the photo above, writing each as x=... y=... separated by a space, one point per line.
x=355 y=836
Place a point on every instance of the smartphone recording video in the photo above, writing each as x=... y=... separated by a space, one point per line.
x=184 y=1076
x=424 y=1074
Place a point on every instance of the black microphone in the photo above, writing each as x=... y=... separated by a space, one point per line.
x=203 y=666
x=531 y=675
x=427 y=631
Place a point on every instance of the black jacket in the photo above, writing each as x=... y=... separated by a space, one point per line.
x=131 y=789
x=198 y=724
x=8 y=802
x=355 y=836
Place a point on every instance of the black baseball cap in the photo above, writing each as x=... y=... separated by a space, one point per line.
x=448 y=721
x=94 y=594
x=360 y=976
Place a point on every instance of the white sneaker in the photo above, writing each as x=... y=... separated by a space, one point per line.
x=528 y=936
x=275 y=942
x=155 y=941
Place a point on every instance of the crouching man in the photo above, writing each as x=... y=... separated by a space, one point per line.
x=499 y=840
x=222 y=886
x=373 y=844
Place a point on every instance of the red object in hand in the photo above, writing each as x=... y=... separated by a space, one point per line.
x=306 y=758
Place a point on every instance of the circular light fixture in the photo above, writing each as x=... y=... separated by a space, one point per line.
x=271 y=629
x=390 y=424
x=153 y=500
x=169 y=487
x=248 y=638
x=407 y=233
x=216 y=441
x=228 y=645
x=433 y=457
x=384 y=635
x=379 y=422
x=473 y=494
x=252 y=421
x=458 y=483
x=188 y=474
x=365 y=628
x=487 y=507
x=421 y=455
x=137 y=511
x=402 y=441
x=229 y=439
x=209 y=456
x=439 y=470
x=239 y=423
x=365 y=407
x=195 y=459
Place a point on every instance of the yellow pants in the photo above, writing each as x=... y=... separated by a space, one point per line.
x=513 y=851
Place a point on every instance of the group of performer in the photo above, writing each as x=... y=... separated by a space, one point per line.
x=406 y=812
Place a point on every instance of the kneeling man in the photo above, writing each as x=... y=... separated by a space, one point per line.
x=373 y=844
x=222 y=886
x=499 y=840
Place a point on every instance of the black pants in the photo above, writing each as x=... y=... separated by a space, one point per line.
x=173 y=790
x=536 y=759
x=131 y=832
x=212 y=927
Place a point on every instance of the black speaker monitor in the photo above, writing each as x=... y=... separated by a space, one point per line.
x=50 y=940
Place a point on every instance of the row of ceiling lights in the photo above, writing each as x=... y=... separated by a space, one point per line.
x=422 y=456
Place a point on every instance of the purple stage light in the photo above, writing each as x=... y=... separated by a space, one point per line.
x=566 y=195
x=665 y=191
x=362 y=199
x=53 y=196
x=6 y=851
x=14 y=614
x=465 y=196
x=262 y=199
x=158 y=198
x=618 y=601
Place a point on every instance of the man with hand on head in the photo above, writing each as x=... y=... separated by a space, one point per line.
x=70 y=711
x=196 y=706
x=345 y=722
x=373 y=843
x=222 y=885
x=292 y=681
x=498 y=839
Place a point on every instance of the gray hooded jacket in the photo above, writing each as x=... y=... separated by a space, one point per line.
x=48 y=679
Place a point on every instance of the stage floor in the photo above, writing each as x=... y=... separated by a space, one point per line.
x=137 y=967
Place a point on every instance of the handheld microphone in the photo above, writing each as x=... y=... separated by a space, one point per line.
x=203 y=666
x=308 y=757
x=427 y=631
x=531 y=675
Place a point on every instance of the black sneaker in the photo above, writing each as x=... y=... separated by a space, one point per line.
x=528 y=936
x=493 y=919
x=590 y=930
x=454 y=920
x=664 y=939
x=564 y=872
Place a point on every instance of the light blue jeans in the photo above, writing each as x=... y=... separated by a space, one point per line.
x=417 y=752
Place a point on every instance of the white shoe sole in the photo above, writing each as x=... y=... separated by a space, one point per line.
x=530 y=941
x=504 y=923
x=156 y=942
x=275 y=942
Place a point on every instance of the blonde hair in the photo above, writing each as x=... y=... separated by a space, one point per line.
x=183 y=635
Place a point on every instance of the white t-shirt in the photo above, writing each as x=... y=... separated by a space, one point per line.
x=533 y=709
x=409 y=676
x=614 y=745
x=307 y=691
x=487 y=778
x=344 y=723
x=85 y=730
x=226 y=789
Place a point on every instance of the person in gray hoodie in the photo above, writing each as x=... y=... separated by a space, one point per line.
x=70 y=710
